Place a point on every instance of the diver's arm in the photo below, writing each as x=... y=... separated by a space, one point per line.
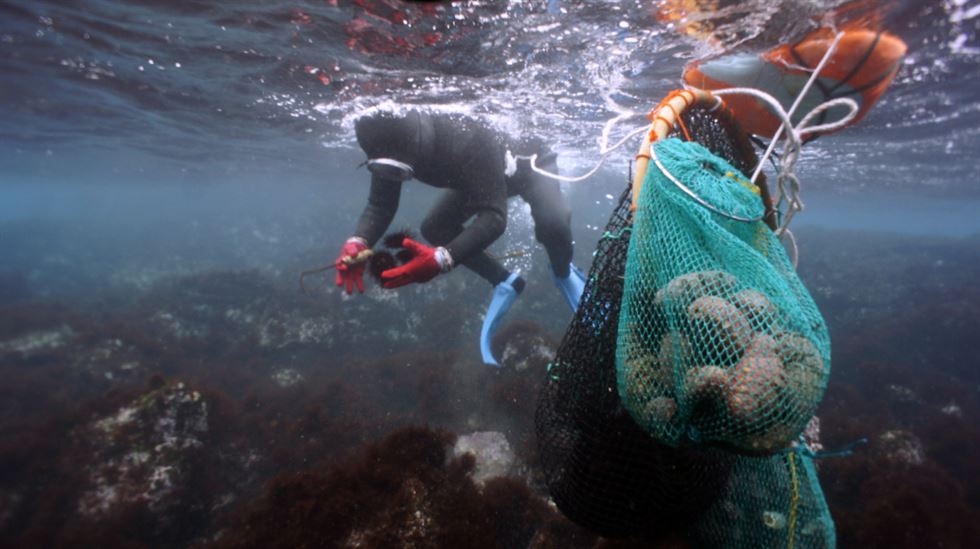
x=381 y=207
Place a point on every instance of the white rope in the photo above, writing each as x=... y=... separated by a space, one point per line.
x=787 y=183
x=796 y=103
x=604 y=150
x=694 y=196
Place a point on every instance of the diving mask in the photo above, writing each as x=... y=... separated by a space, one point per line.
x=390 y=169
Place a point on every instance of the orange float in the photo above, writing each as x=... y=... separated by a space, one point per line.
x=861 y=68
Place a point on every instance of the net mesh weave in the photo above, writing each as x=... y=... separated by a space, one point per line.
x=608 y=474
x=602 y=470
x=773 y=501
x=719 y=341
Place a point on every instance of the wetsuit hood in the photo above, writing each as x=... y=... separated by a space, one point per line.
x=390 y=135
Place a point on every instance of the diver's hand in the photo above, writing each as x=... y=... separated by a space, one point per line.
x=427 y=263
x=350 y=274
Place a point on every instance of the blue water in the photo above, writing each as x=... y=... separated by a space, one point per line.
x=123 y=93
x=148 y=149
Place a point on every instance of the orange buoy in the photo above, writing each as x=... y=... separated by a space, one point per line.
x=861 y=68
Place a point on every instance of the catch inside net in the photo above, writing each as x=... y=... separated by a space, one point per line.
x=719 y=341
x=610 y=463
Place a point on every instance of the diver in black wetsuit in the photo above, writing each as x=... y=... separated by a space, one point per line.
x=470 y=160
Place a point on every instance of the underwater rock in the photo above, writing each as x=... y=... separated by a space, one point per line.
x=179 y=328
x=526 y=351
x=230 y=308
x=524 y=346
x=110 y=358
x=277 y=329
x=407 y=490
x=287 y=377
x=411 y=523
x=492 y=452
x=952 y=409
x=903 y=394
x=901 y=447
x=142 y=454
x=37 y=341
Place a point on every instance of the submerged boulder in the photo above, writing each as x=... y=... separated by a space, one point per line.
x=144 y=455
x=491 y=451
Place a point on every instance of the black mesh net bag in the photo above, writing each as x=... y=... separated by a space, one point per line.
x=603 y=471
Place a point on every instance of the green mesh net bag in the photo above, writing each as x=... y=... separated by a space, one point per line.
x=774 y=502
x=602 y=470
x=718 y=340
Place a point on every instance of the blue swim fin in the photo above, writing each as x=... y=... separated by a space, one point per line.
x=572 y=286
x=504 y=295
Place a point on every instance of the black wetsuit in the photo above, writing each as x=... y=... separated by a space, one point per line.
x=466 y=157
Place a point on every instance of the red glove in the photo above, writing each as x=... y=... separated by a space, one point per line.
x=349 y=275
x=427 y=263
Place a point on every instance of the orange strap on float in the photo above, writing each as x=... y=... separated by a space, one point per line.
x=662 y=120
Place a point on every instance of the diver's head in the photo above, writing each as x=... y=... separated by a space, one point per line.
x=391 y=142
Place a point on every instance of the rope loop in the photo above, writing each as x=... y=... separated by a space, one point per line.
x=697 y=198
x=787 y=183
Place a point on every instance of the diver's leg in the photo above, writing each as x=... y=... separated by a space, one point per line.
x=445 y=221
x=553 y=229
x=440 y=226
x=552 y=221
